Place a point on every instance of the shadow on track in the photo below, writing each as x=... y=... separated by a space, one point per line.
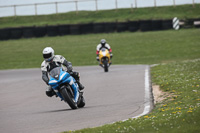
x=53 y=111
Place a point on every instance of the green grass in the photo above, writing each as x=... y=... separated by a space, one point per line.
x=128 y=48
x=168 y=12
x=178 y=113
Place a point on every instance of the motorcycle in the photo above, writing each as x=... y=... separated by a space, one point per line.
x=104 y=59
x=66 y=88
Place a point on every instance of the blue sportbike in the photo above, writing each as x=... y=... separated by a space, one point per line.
x=66 y=88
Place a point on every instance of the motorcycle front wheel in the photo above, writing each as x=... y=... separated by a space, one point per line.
x=105 y=66
x=68 y=97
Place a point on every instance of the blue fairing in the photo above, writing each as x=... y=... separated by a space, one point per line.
x=58 y=77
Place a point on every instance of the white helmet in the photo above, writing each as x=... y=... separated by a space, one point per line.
x=103 y=42
x=48 y=54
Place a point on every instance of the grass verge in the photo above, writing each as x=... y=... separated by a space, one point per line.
x=128 y=48
x=178 y=113
x=168 y=12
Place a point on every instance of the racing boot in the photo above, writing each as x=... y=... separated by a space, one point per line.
x=81 y=87
x=76 y=76
x=97 y=58
x=50 y=92
x=111 y=55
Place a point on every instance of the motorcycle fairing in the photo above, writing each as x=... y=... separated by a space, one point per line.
x=62 y=77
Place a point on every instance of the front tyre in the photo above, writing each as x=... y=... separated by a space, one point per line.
x=68 y=97
x=105 y=66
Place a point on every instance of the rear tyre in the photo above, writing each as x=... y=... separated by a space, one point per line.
x=82 y=102
x=69 y=98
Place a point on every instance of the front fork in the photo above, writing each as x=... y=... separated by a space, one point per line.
x=75 y=88
x=73 y=85
x=102 y=62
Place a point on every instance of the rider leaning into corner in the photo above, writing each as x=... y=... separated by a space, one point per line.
x=103 y=44
x=51 y=61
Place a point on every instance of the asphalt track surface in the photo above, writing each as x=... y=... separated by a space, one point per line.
x=110 y=97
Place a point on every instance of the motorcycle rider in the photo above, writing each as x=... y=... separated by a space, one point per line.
x=103 y=44
x=51 y=61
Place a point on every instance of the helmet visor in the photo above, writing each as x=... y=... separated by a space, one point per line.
x=46 y=56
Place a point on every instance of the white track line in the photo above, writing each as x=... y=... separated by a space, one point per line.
x=147 y=105
x=147 y=95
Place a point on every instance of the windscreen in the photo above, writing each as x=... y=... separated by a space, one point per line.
x=103 y=49
x=55 y=72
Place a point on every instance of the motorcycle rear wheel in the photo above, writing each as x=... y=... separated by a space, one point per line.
x=82 y=102
x=68 y=98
